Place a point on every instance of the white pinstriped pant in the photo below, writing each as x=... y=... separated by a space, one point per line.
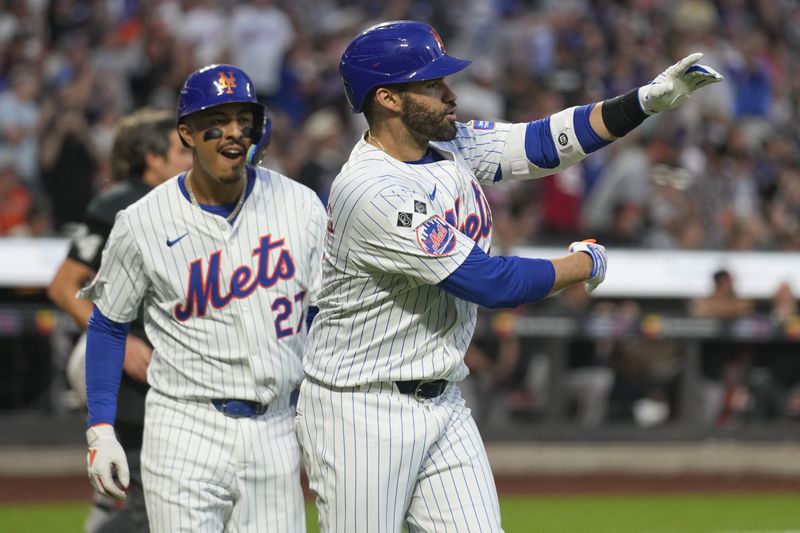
x=203 y=471
x=379 y=460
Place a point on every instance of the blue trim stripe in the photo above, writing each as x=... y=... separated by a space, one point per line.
x=590 y=141
x=539 y=146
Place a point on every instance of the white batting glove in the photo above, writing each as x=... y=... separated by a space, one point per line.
x=599 y=261
x=676 y=84
x=106 y=462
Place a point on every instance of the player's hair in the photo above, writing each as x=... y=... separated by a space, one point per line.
x=720 y=275
x=144 y=132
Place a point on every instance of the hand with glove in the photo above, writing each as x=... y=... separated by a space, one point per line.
x=106 y=462
x=621 y=114
x=599 y=261
x=673 y=86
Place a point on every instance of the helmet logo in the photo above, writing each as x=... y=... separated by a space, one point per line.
x=438 y=39
x=225 y=83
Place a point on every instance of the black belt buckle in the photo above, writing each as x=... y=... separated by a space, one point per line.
x=422 y=389
x=240 y=408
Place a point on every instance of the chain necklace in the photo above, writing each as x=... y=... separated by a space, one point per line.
x=371 y=136
x=230 y=218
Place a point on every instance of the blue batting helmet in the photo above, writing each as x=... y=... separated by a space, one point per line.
x=215 y=85
x=394 y=52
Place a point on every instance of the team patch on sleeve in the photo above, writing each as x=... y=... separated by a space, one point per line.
x=436 y=237
x=404 y=219
x=413 y=212
x=482 y=125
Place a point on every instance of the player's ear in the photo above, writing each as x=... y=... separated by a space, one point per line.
x=185 y=133
x=387 y=98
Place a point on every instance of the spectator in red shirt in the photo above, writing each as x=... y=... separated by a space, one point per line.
x=15 y=200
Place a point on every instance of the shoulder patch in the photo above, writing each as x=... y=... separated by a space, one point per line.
x=436 y=237
x=404 y=219
x=482 y=125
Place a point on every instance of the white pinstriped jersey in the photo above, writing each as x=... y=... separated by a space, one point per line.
x=224 y=304
x=395 y=230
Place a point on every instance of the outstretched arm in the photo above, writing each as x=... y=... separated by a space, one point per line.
x=616 y=117
x=549 y=145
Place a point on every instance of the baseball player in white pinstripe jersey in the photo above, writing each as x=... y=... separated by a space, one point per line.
x=226 y=259
x=387 y=441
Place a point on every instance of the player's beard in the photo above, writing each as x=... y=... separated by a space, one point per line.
x=236 y=178
x=427 y=123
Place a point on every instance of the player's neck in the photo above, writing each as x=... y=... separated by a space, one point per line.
x=209 y=191
x=398 y=142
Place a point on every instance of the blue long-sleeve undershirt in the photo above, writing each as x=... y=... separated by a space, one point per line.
x=503 y=281
x=105 y=356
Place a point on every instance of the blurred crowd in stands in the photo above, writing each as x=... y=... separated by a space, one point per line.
x=719 y=173
x=595 y=361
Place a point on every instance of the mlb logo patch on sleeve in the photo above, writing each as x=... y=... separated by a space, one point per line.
x=482 y=125
x=436 y=237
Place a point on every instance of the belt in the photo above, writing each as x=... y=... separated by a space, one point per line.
x=246 y=408
x=240 y=408
x=422 y=389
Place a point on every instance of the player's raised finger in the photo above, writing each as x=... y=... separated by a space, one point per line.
x=682 y=65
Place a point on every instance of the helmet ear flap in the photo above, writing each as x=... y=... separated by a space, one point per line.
x=255 y=154
x=351 y=99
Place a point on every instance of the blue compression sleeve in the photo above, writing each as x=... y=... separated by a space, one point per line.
x=589 y=139
x=105 y=355
x=500 y=281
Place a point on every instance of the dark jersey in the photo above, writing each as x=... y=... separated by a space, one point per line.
x=87 y=248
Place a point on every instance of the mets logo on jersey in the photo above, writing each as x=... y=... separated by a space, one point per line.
x=475 y=225
x=226 y=83
x=436 y=237
x=206 y=286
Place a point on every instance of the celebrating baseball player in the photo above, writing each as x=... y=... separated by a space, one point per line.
x=146 y=152
x=387 y=441
x=226 y=259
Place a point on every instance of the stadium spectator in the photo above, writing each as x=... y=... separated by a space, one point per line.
x=584 y=364
x=67 y=154
x=725 y=364
x=260 y=34
x=20 y=123
x=15 y=200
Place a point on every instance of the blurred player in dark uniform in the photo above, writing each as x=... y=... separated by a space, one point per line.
x=146 y=152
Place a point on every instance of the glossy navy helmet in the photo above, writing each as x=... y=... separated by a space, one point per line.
x=394 y=52
x=215 y=85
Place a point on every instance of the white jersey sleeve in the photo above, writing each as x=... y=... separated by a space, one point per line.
x=121 y=282
x=396 y=231
x=482 y=144
x=488 y=147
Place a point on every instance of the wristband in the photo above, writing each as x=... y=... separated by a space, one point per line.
x=623 y=113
